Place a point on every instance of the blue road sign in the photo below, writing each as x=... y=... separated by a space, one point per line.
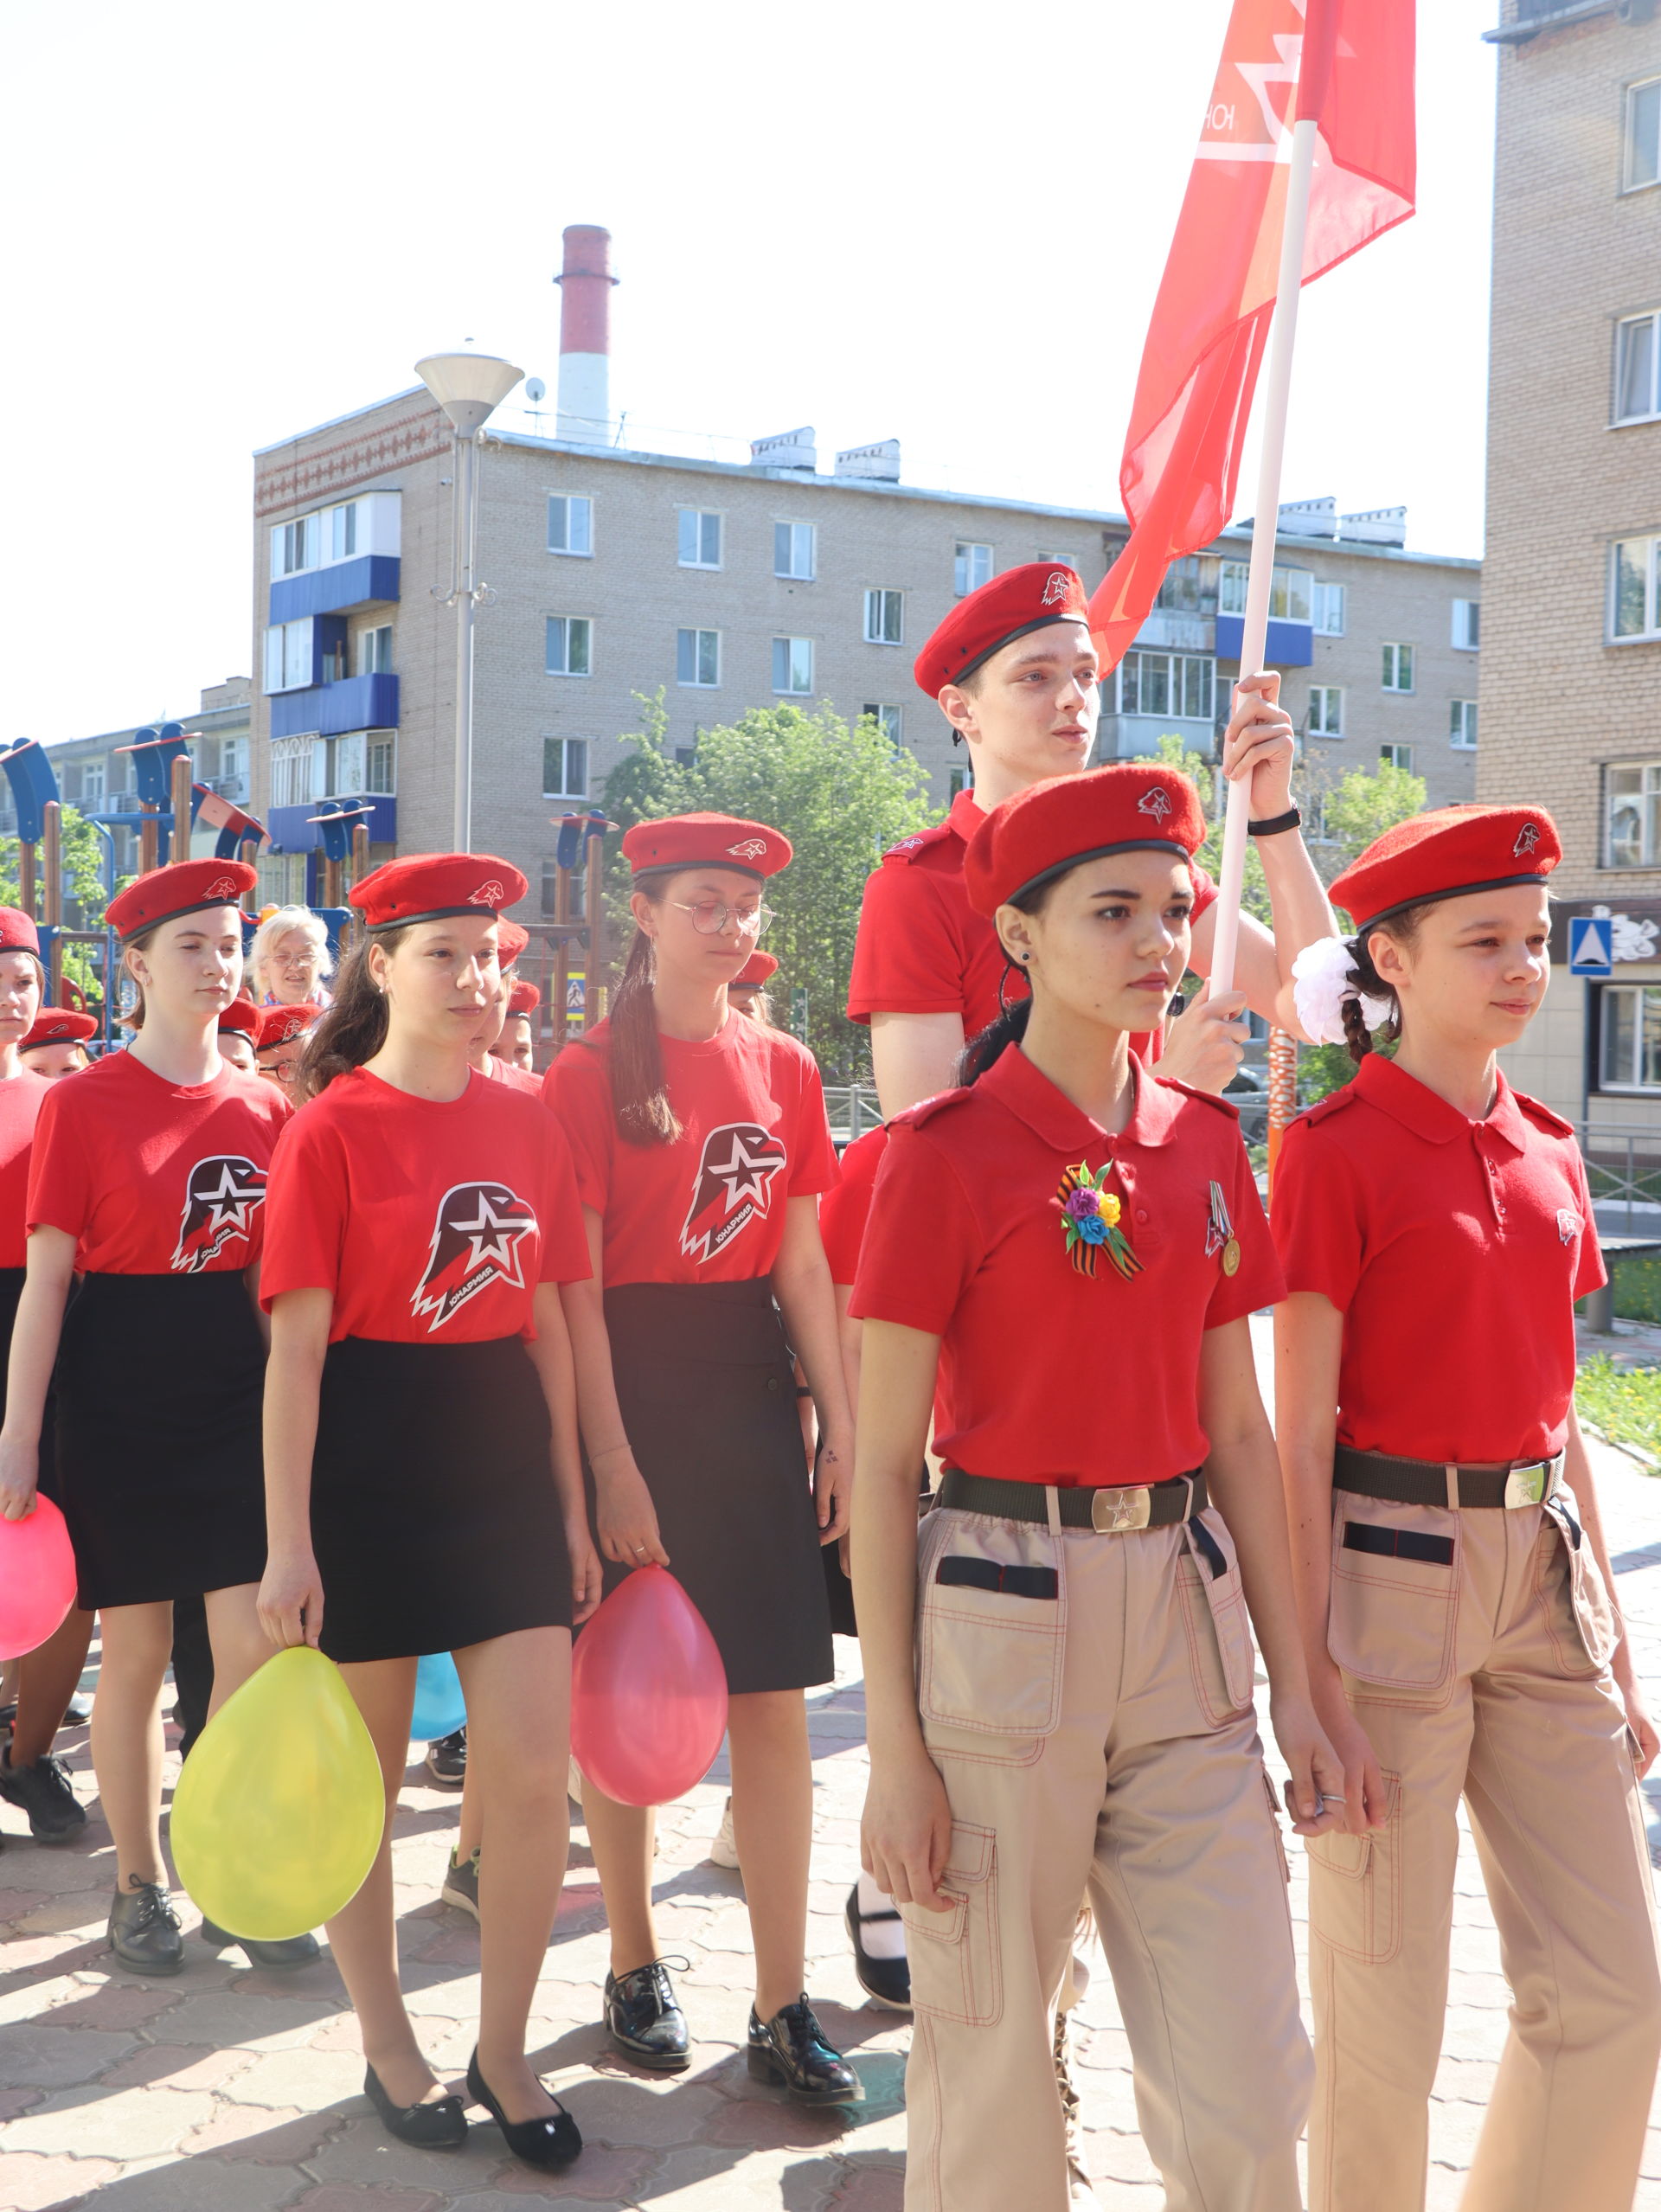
x=1589 y=944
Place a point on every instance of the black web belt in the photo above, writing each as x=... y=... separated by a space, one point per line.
x=1109 y=1511
x=1435 y=1482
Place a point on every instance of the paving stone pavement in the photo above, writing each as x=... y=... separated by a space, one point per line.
x=230 y=2090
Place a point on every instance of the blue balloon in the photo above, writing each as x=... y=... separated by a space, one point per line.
x=440 y=1708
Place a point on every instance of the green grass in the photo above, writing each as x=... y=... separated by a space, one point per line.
x=1623 y=1404
x=1638 y=1286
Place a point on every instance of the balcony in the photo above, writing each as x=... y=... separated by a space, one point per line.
x=333 y=709
x=370 y=581
x=1290 y=644
x=1134 y=737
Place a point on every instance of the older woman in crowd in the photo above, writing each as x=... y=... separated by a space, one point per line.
x=289 y=959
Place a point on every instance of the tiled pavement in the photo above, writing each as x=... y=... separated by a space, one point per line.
x=235 y=2091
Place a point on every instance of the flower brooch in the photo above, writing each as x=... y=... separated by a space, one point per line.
x=1090 y=1215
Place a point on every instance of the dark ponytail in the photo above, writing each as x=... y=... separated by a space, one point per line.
x=640 y=1103
x=354 y=1025
x=1402 y=928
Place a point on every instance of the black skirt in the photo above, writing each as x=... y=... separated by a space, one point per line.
x=11 y=1289
x=159 y=1380
x=434 y=1517
x=708 y=1395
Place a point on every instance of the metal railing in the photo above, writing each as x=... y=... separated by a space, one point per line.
x=1623 y=1168
x=853 y=1109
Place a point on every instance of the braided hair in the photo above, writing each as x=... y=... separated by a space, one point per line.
x=1402 y=929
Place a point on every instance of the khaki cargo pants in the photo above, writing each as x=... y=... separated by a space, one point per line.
x=1480 y=1669
x=1100 y=1738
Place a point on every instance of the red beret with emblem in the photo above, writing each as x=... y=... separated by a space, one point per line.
x=1028 y=598
x=755 y=971
x=18 y=933
x=241 y=1018
x=511 y=939
x=1133 y=806
x=430 y=887
x=187 y=886
x=280 y=1024
x=523 y=998
x=1447 y=854
x=706 y=841
x=60 y=1025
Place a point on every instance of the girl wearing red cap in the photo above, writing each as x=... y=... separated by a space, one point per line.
x=747 y=991
x=1462 y=1633
x=279 y=1046
x=1059 y=1667
x=239 y=1027
x=420 y=1221
x=496 y=1067
x=516 y=1046
x=56 y=1043
x=700 y=1145
x=148 y=1182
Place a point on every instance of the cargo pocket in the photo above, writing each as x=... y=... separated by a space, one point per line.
x=1580 y=1618
x=1393 y=1610
x=1213 y=1613
x=1354 y=1887
x=956 y=1970
x=991 y=1618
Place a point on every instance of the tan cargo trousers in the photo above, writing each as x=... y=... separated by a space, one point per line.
x=1100 y=1739
x=1485 y=1677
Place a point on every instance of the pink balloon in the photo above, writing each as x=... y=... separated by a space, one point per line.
x=37 y=1578
x=648 y=1692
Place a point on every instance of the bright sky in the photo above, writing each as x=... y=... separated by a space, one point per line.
x=942 y=223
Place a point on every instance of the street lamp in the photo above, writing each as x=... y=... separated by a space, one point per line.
x=468 y=387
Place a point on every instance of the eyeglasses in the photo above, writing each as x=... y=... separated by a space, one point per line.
x=295 y=960
x=711 y=917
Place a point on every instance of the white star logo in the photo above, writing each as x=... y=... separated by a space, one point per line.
x=495 y=1239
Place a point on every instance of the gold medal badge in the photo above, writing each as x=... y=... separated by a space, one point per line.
x=1220 y=1233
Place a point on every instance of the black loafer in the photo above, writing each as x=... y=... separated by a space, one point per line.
x=790 y=2053
x=294 y=1950
x=553 y=2140
x=144 y=1930
x=44 y=1791
x=645 y=2021
x=885 y=1981
x=442 y=2126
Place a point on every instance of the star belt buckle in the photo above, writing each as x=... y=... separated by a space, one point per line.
x=1114 y=1510
x=1527 y=1485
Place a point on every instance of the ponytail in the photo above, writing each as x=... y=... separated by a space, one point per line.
x=354 y=1025
x=640 y=1103
x=994 y=1041
x=1368 y=984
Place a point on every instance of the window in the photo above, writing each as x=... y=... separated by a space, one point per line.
x=1398 y=668
x=1291 y=592
x=957 y=782
x=1638 y=369
x=698 y=656
x=971 y=568
x=1632 y=813
x=1641 y=163
x=1462 y=724
x=1191 y=586
x=565 y=767
x=700 y=539
x=1315 y=830
x=1061 y=560
x=343 y=531
x=297 y=546
x=1467 y=625
x=1329 y=610
x=374 y=650
x=346 y=771
x=571 y=525
x=792 y=666
x=296 y=767
x=686 y=755
x=290 y=656
x=92 y=783
x=1167 y=683
x=889 y=719
x=570 y=644
x=1326 y=710
x=1396 y=756
x=792 y=550
x=884 y=618
x=1630 y=1022
x=381 y=762
x=1634 y=611
x=233 y=760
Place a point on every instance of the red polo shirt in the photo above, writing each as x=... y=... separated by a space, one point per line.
x=1454 y=1249
x=844 y=1209
x=1047 y=1374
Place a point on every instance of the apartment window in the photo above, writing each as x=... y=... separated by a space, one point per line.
x=1629 y=1020
x=233 y=759
x=565 y=767
x=1329 y=610
x=290 y=656
x=1467 y=625
x=1167 y=683
x=92 y=783
x=1326 y=710
x=343 y=531
x=698 y=656
x=700 y=539
x=971 y=568
x=1641 y=165
x=792 y=666
x=1291 y=592
x=374 y=650
x=957 y=782
x=1638 y=369
x=296 y=766
x=889 y=719
x=686 y=755
x=570 y=642
x=1398 y=668
x=1191 y=586
x=1632 y=813
x=884 y=618
x=381 y=762
x=1462 y=724
x=297 y=546
x=1634 y=611
x=346 y=771
x=792 y=550
x=1060 y=560
x=1396 y=756
x=571 y=525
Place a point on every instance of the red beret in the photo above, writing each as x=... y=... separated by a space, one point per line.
x=428 y=887
x=523 y=998
x=279 y=1024
x=1134 y=807
x=60 y=1025
x=188 y=887
x=1444 y=854
x=755 y=971
x=706 y=841
x=511 y=942
x=240 y=1018
x=1029 y=598
x=17 y=933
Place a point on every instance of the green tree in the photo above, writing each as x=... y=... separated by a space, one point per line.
x=84 y=894
x=1361 y=806
x=840 y=792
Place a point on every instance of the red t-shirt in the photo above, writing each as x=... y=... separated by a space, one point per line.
x=922 y=949
x=517 y=1078
x=843 y=1211
x=1048 y=1375
x=1455 y=1250
x=711 y=1208
x=20 y=1100
x=153 y=1177
x=427 y=1219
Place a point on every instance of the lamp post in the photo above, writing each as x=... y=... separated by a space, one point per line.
x=468 y=387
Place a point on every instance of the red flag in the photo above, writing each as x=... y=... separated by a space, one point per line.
x=1211 y=320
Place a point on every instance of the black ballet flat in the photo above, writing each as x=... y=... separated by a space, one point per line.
x=440 y=2126
x=552 y=2141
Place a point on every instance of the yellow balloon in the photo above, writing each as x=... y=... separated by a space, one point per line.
x=278 y=1809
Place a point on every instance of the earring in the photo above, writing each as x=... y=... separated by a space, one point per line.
x=1025 y=957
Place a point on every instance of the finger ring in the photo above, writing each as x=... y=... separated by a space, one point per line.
x=639 y=1548
x=1327 y=1797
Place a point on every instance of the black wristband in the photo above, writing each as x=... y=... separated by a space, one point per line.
x=1291 y=819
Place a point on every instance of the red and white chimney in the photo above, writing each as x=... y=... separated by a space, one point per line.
x=585 y=282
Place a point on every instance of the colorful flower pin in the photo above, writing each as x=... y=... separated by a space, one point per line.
x=1090 y=1215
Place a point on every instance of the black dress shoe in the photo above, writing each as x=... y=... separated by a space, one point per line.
x=145 y=1930
x=442 y=2126
x=885 y=1981
x=645 y=2021
x=293 y=1951
x=553 y=2140
x=791 y=2053
x=44 y=1791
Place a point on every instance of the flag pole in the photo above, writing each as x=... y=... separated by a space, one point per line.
x=1254 y=637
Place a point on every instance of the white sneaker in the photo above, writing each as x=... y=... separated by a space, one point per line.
x=724 y=1851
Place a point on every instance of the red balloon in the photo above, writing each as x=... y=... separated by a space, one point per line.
x=37 y=1578
x=648 y=1692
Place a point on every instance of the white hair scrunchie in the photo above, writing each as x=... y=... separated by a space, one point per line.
x=1321 y=982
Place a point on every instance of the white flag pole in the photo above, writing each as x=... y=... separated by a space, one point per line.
x=1255 y=629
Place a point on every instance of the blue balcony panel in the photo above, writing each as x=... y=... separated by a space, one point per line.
x=370 y=581
x=334 y=709
x=1291 y=644
x=292 y=831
